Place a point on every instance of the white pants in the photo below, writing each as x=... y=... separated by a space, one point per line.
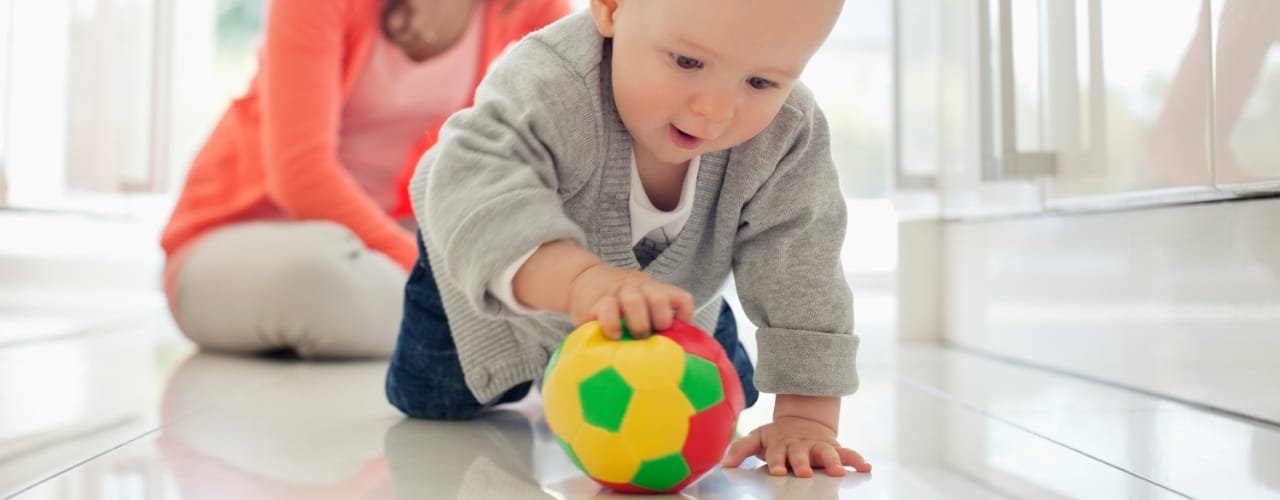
x=307 y=286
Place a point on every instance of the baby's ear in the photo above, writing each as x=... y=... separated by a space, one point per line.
x=603 y=12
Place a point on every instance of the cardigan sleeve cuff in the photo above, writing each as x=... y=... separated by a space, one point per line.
x=806 y=363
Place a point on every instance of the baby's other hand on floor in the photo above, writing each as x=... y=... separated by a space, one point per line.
x=796 y=444
x=608 y=294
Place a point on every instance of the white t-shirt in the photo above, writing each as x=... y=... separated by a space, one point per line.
x=651 y=231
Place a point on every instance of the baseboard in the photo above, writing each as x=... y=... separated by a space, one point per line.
x=1182 y=301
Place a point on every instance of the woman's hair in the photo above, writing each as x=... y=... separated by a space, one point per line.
x=390 y=6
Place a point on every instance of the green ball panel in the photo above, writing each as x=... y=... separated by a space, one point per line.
x=604 y=398
x=701 y=383
x=661 y=474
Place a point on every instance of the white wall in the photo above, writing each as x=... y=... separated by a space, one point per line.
x=1181 y=301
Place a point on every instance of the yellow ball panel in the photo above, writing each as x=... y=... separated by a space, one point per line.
x=587 y=332
x=653 y=362
x=595 y=339
x=657 y=422
x=586 y=351
x=584 y=359
x=604 y=455
x=561 y=405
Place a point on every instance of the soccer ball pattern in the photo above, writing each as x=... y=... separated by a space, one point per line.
x=642 y=416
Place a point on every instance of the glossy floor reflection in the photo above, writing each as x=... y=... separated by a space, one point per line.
x=151 y=418
x=935 y=422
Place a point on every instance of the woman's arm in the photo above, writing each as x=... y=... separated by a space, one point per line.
x=302 y=97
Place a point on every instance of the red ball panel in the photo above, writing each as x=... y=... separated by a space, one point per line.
x=732 y=386
x=698 y=343
x=626 y=488
x=710 y=432
x=694 y=341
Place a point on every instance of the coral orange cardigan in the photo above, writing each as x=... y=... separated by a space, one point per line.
x=278 y=143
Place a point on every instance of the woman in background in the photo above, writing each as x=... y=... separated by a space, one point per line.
x=291 y=233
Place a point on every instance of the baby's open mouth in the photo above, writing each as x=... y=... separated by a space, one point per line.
x=684 y=139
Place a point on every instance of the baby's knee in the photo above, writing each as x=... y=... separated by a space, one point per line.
x=419 y=399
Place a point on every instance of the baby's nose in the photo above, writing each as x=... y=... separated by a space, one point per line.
x=716 y=107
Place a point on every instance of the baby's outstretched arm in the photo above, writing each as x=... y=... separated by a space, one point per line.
x=564 y=277
x=802 y=435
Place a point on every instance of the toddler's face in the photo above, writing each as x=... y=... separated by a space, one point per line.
x=695 y=76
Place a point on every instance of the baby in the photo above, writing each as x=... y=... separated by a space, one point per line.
x=617 y=166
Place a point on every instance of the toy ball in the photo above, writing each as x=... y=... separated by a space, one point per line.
x=642 y=415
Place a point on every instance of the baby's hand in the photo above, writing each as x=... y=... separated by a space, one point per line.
x=797 y=442
x=608 y=294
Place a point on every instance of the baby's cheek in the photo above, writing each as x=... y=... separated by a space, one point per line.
x=747 y=126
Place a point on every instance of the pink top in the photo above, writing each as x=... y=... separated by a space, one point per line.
x=277 y=144
x=395 y=100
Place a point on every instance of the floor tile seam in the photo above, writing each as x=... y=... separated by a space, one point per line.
x=162 y=426
x=76 y=465
x=1081 y=377
x=944 y=396
x=89 y=431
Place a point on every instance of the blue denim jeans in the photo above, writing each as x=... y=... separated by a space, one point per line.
x=425 y=377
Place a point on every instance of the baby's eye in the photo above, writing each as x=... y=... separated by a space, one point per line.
x=686 y=62
x=760 y=83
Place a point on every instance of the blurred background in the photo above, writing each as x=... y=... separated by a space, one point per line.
x=1082 y=187
x=105 y=103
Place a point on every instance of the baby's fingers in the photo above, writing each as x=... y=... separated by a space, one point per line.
x=682 y=301
x=606 y=312
x=854 y=459
x=829 y=459
x=776 y=457
x=741 y=449
x=798 y=455
x=661 y=310
x=635 y=309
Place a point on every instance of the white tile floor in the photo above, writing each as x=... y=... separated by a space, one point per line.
x=114 y=412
